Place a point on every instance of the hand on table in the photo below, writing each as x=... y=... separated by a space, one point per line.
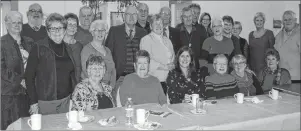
x=34 y=109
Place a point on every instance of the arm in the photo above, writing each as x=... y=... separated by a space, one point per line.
x=84 y=57
x=172 y=86
x=236 y=46
x=161 y=96
x=271 y=40
x=257 y=85
x=110 y=40
x=205 y=52
x=209 y=90
x=78 y=98
x=30 y=74
x=285 y=77
x=124 y=90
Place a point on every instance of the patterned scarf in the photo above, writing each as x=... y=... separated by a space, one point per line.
x=277 y=78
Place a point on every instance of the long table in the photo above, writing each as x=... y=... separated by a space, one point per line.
x=226 y=114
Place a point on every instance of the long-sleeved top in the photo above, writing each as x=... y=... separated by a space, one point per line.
x=248 y=84
x=178 y=85
x=141 y=90
x=28 y=31
x=110 y=74
x=244 y=47
x=258 y=47
x=146 y=27
x=161 y=53
x=220 y=86
x=86 y=98
x=83 y=36
x=76 y=50
x=288 y=46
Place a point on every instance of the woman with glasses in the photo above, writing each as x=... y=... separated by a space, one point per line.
x=50 y=73
x=72 y=43
x=98 y=30
x=247 y=82
x=205 y=20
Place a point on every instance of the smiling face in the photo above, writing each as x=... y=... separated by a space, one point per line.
x=71 y=26
x=35 y=15
x=185 y=59
x=86 y=17
x=195 y=13
x=217 y=27
x=272 y=61
x=99 y=32
x=289 y=22
x=157 y=26
x=221 y=65
x=239 y=65
x=142 y=12
x=227 y=27
x=236 y=29
x=142 y=66
x=14 y=24
x=259 y=22
x=56 y=32
x=165 y=15
x=96 y=71
x=205 y=21
x=187 y=18
x=130 y=15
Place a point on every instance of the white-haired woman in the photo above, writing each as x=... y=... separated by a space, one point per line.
x=96 y=47
x=260 y=40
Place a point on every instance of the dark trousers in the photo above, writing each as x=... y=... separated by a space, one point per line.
x=164 y=87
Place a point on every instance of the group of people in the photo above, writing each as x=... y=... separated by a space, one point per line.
x=79 y=63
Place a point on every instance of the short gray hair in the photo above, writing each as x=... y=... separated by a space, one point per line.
x=140 y=4
x=55 y=17
x=289 y=12
x=216 y=19
x=185 y=9
x=237 y=58
x=259 y=14
x=85 y=7
x=219 y=56
x=96 y=23
x=10 y=14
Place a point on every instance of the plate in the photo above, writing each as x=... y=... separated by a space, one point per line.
x=200 y=112
x=103 y=122
x=86 y=118
x=148 y=126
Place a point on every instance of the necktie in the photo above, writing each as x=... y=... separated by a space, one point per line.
x=164 y=32
x=131 y=31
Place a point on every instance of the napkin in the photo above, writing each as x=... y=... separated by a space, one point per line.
x=75 y=126
x=254 y=100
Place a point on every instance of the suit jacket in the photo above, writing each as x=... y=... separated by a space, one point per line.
x=116 y=42
x=174 y=36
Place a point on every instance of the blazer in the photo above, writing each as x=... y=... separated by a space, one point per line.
x=116 y=42
x=174 y=36
x=158 y=54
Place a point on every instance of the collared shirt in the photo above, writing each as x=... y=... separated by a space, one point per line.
x=33 y=27
x=167 y=31
x=159 y=37
x=127 y=30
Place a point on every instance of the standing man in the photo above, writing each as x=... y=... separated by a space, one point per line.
x=142 y=17
x=192 y=36
x=172 y=33
x=123 y=41
x=227 y=31
x=86 y=17
x=288 y=45
x=34 y=28
x=196 y=11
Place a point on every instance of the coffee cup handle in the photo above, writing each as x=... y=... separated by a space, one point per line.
x=29 y=122
x=147 y=115
x=235 y=96
x=270 y=93
x=67 y=115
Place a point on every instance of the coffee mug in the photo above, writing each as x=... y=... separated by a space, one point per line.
x=142 y=115
x=193 y=98
x=72 y=116
x=35 y=122
x=239 y=98
x=200 y=104
x=274 y=94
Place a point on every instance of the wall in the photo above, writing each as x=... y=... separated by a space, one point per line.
x=5 y=7
x=244 y=11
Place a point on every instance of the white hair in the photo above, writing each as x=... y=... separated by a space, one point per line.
x=96 y=23
x=11 y=14
x=216 y=20
x=289 y=12
x=259 y=14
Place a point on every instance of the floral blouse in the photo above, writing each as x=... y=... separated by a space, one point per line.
x=85 y=97
x=178 y=85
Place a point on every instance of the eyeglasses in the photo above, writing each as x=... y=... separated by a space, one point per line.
x=213 y=26
x=186 y=17
x=72 y=25
x=35 y=11
x=239 y=63
x=99 y=68
x=16 y=23
x=165 y=13
x=221 y=64
x=206 y=20
x=128 y=14
x=143 y=11
x=288 y=20
x=56 y=29
x=99 y=31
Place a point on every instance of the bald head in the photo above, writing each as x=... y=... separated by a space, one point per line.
x=14 y=21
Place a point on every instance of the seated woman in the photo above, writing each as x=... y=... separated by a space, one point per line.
x=185 y=79
x=272 y=75
x=220 y=84
x=247 y=82
x=140 y=86
x=91 y=93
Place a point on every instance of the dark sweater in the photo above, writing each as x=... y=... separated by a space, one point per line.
x=35 y=35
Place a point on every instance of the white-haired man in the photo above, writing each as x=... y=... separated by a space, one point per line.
x=34 y=28
x=287 y=43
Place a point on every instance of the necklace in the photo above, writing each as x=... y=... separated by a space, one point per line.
x=62 y=51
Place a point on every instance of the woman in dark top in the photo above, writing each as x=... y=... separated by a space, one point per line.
x=205 y=20
x=50 y=73
x=74 y=45
x=244 y=46
x=272 y=75
x=260 y=40
x=91 y=93
x=185 y=79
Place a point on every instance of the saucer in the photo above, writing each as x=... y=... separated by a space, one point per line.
x=148 y=126
x=86 y=118
x=75 y=126
x=200 y=112
x=104 y=122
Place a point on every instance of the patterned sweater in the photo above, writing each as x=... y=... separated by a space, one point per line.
x=220 y=86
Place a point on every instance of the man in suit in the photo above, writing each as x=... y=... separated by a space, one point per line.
x=34 y=28
x=172 y=33
x=123 y=41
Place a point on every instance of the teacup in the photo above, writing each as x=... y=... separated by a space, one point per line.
x=35 y=122
x=142 y=116
x=239 y=98
x=193 y=98
x=274 y=94
x=72 y=116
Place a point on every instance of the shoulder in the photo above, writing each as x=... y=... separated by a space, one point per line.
x=105 y=85
x=209 y=40
x=82 y=85
x=153 y=79
x=229 y=77
x=285 y=72
x=27 y=39
x=131 y=77
x=4 y=39
x=141 y=31
x=25 y=26
x=269 y=32
x=86 y=48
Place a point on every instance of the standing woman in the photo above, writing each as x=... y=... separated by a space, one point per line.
x=244 y=46
x=260 y=40
x=160 y=49
x=72 y=43
x=185 y=78
x=14 y=53
x=205 y=20
x=50 y=73
x=98 y=30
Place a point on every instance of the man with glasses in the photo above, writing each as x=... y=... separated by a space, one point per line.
x=34 y=28
x=123 y=41
x=288 y=45
x=142 y=17
x=86 y=17
x=14 y=53
x=172 y=33
x=192 y=36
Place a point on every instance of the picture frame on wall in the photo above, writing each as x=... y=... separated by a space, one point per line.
x=116 y=18
x=277 y=24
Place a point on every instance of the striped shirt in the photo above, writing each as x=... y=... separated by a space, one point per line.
x=132 y=45
x=220 y=86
